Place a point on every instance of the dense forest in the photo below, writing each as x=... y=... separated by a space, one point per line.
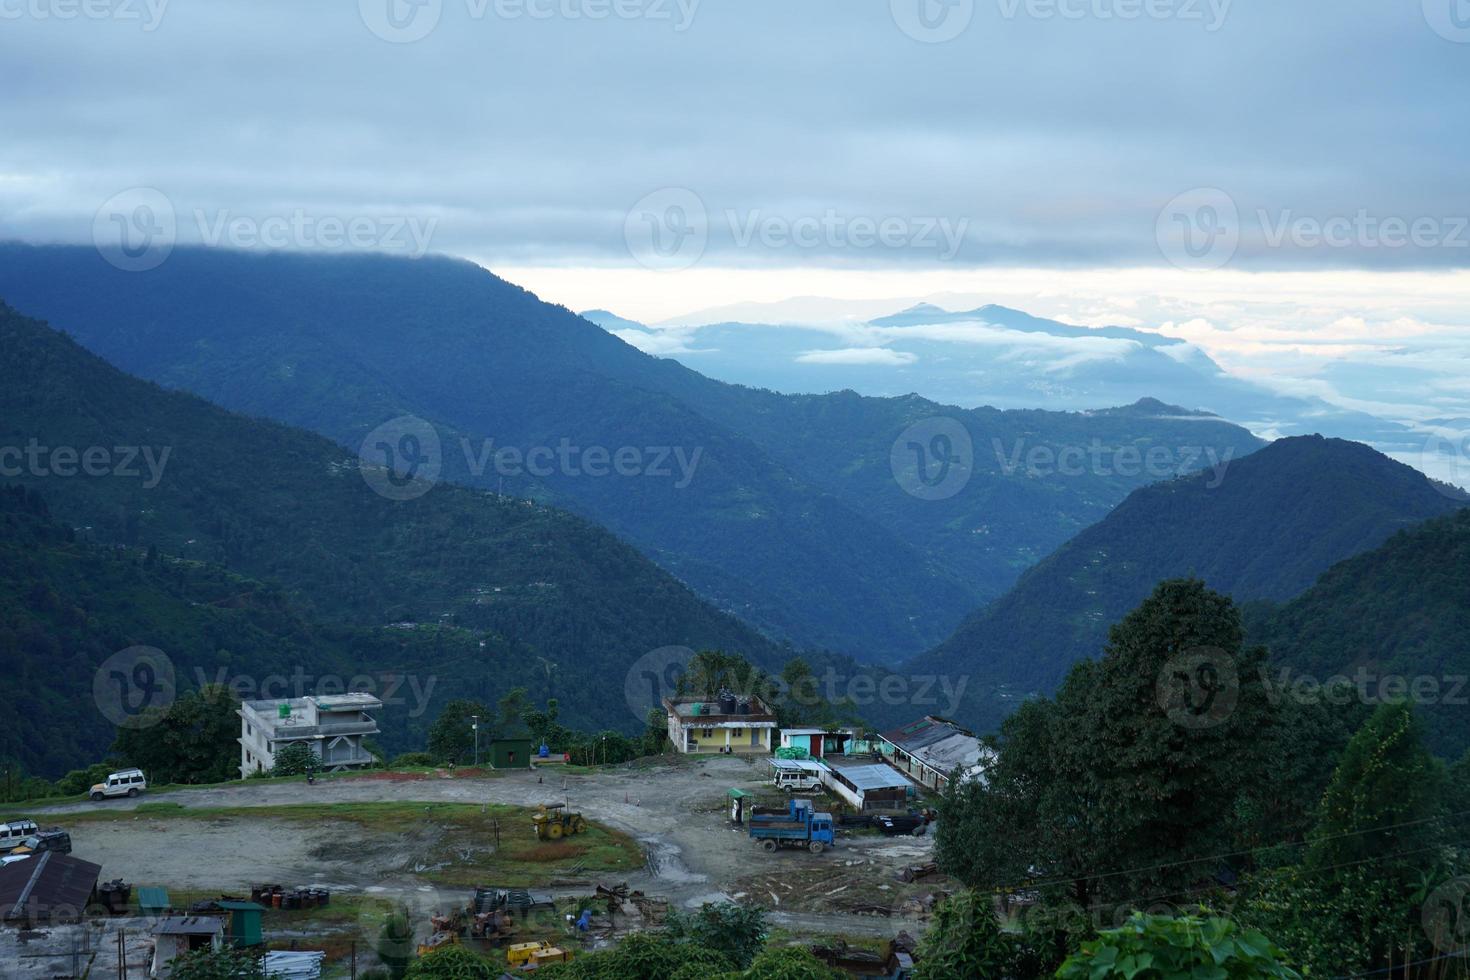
x=1151 y=784
x=1392 y=620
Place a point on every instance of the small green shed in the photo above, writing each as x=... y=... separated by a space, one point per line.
x=244 y=926
x=510 y=753
x=153 y=901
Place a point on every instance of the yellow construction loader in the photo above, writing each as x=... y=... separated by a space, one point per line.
x=553 y=822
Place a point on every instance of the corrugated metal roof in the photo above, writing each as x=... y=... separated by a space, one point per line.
x=873 y=777
x=50 y=884
x=188 y=925
x=939 y=744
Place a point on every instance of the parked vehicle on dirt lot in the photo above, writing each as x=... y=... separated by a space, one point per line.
x=895 y=824
x=47 y=840
x=553 y=822
x=15 y=832
x=797 y=780
x=129 y=782
x=796 y=826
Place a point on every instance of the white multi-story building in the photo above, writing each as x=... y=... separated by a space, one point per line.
x=332 y=725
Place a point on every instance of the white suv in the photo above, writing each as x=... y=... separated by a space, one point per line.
x=13 y=834
x=129 y=782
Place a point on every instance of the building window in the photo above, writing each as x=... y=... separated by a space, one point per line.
x=709 y=733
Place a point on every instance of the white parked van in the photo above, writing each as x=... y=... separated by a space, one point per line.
x=13 y=834
x=797 y=781
x=129 y=782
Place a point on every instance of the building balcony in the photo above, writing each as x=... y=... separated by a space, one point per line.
x=284 y=733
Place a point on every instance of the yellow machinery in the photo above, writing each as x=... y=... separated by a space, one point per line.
x=528 y=956
x=553 y=822
x=550 y=955
x=522 y=952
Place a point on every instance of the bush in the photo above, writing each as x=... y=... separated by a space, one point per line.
x=412 y=759
x=294 y=760
x=1183 y=946
x=452 y=962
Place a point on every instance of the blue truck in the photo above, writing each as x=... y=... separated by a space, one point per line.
x=796 y=826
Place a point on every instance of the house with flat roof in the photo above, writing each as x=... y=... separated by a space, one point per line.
x=873 y=788
x=333 y=726
x=726 y=724
x=933 y=750
x=821 y=742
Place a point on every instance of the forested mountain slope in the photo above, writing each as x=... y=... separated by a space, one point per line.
x=1393 y=619
x=1264 y=529
x=560 y=602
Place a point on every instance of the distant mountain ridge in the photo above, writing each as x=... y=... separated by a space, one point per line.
x=793 y=520
x=999 y=356
x=1265 y=527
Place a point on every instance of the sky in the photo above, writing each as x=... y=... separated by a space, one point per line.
x=1281 y=183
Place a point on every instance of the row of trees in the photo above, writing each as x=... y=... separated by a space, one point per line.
x=1164 y=778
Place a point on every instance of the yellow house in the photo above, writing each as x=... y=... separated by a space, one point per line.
x=726 y=724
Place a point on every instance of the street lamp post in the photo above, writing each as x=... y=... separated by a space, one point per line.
x=475 y=719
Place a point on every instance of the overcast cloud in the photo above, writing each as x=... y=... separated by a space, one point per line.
x=791 y=132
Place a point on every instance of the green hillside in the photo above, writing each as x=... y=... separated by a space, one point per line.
x=1276 y=521
x=561 y=605
x=1387 y=620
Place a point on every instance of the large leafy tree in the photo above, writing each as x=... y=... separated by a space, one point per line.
x=1385 y=800
x=1159 y=733
x=736 y=932
x=1125 y=784
x=1379 y=848
x=451 y=737
x=195 y=740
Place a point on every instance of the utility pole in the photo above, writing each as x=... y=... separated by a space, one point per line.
x=476 y=726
